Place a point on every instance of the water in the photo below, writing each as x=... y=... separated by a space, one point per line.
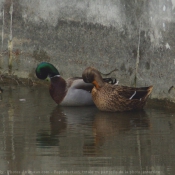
x=39 y=137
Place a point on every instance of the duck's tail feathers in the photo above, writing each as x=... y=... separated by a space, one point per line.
x=149 y=90
x=141 y=93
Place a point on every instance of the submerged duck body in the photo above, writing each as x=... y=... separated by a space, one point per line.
x=114 y=98
x=71 y=92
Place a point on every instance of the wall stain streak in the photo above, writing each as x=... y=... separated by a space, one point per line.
x=10 y=42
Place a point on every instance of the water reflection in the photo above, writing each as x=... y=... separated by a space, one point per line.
x=109 y=126
x=63 y=118
x=35 y=134
x=97 y=127
x=58 y=124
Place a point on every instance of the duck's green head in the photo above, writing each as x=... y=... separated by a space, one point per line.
x=45 y=69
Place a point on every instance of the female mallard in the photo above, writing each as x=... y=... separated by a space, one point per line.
x=70 y=92
x=109 y=97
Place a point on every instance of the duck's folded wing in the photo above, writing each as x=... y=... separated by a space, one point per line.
x=78 y=83
x=134 y=93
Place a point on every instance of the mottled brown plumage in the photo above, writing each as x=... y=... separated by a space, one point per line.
x=108 y=97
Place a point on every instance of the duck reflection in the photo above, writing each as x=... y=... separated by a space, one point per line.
x=63 y=118
x=57 y=125
x=108 y=125
x=89 y=127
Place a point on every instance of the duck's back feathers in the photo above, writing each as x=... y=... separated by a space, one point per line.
x=78 y=93
x=78 y=83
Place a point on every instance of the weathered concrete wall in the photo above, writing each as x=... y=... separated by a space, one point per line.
x=137 y=37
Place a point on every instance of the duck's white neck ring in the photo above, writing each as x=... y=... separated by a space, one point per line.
x=55 y=76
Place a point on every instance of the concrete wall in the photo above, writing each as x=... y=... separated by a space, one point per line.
x=137 y=37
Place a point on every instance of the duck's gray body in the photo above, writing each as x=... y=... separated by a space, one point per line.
x=78 y=93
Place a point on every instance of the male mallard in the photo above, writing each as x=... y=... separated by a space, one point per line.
x=71 y=92
x=109 y=97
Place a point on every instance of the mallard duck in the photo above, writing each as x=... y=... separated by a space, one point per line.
x=108 y=97
x=71 y=92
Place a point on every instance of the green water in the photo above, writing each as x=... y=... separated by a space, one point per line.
x=38 y=137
